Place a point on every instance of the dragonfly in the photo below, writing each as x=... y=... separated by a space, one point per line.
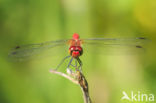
x=75 y=47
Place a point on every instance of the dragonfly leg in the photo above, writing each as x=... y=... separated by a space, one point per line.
x=62 y=62
x=75 y=62
x=70 y=62
x=74 y=65
x=80 y=63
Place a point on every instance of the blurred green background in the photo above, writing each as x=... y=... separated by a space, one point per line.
x=35 y=21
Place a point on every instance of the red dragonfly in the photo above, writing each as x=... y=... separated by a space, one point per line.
x=75 y=47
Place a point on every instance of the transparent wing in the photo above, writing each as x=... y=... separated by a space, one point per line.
x=115 y=45
x=28 y=51
x=137 y=42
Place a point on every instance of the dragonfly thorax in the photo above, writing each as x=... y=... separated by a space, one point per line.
x=75 y=51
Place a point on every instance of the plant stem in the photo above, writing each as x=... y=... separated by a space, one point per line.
x=79 y=79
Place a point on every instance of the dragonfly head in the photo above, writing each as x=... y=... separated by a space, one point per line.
x=75 y=51
x=75 y=36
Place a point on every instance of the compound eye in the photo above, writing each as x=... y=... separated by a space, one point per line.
x=72 y=48
x=79 y=48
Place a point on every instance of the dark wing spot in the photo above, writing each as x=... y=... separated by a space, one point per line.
x=138 y=46
x=17 y=47
x=141 y=38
